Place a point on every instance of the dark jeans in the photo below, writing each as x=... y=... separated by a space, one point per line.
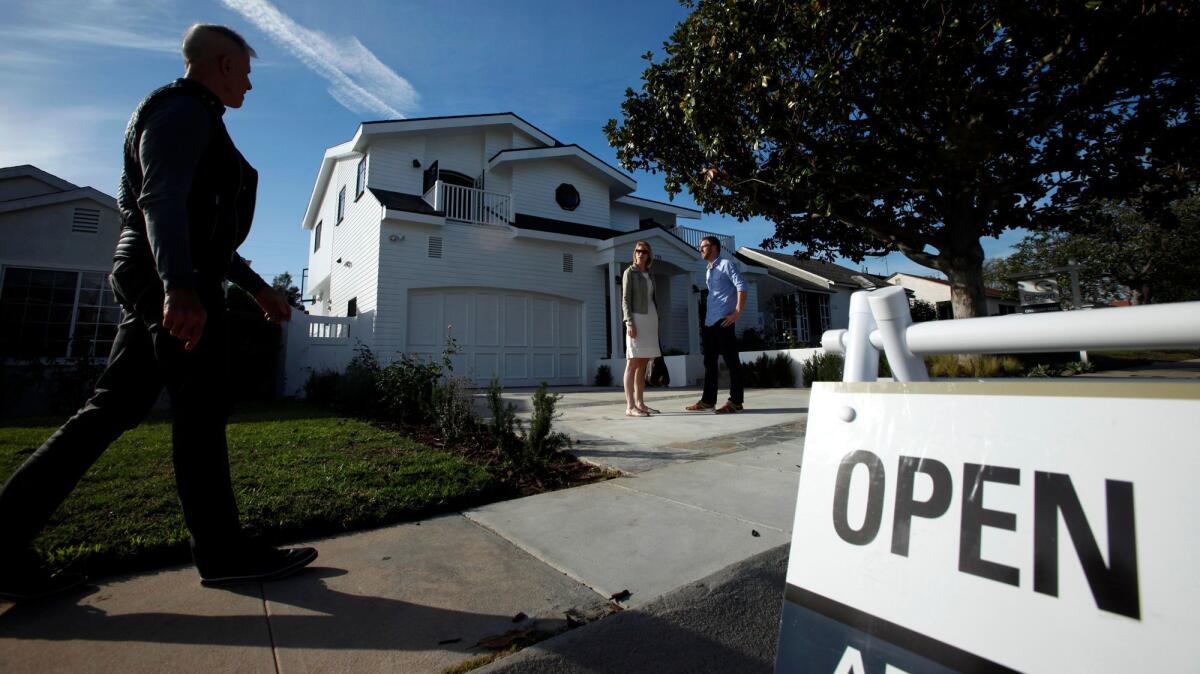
x=144 y=359
x=716 y=340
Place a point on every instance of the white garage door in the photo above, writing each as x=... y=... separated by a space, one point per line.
x=522 y=338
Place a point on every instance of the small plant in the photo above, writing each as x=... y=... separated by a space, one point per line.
x=322 y=387
x=406 y=385
x=604 y=376
x=452 y=411
x=503 y=423
x=1042 y=370
x=951 y=365
x=359 y=391
x=823 y=367
x=1078 y=367
x=541 y=442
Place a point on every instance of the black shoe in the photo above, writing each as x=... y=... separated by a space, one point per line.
x=25 y=579
x=257 y=565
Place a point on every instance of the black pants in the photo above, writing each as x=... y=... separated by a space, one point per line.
x=716 y=340
x=144 y=359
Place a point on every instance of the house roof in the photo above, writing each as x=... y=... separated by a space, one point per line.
x=454 y=122
x=784 y=275
x=615 y=177
x=63 y=191
x=989 y=292
x=828 y=271
x=398 y=201
x=536 y=223
x=659 y=206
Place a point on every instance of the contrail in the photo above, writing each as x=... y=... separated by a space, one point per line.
x=357 y=79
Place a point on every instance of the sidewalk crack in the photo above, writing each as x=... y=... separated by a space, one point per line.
x=270 y=632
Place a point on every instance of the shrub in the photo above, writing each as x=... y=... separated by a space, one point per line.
x=770 y=372
x=406 y=385
x=604 y=376
x=541 y=443
x=951 y=365
x=503 y=423
x=1041 y=370
x=673 y=351
x=322 y=387
x=922 y=311
x=1078 y=367
x=452 y=412
x=823 y=367
x=359 y=392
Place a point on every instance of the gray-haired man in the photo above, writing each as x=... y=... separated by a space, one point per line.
x=186 y=198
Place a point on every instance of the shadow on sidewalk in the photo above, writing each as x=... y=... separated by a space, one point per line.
x=331 y=620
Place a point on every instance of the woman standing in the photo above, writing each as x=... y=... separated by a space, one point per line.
x=640 y=311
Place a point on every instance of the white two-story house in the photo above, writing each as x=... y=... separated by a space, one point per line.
x=487 y=230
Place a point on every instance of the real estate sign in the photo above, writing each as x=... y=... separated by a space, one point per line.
x=1040 y=526
x=1038 y=292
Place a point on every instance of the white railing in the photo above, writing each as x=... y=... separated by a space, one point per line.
x=692 y=237
x=468 y=204
x=880 y=320
x=329 y=329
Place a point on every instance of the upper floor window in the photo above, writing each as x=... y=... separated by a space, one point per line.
x=341 y=211
x=567 y=197
x=362 y=178
x=317 y=237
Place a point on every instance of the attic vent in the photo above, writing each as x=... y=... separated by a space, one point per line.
x=568 y=263
x=86 y=221
x=435 y=246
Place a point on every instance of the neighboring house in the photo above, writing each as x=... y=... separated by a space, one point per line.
x=801 y=299
x=56 y=249
x=936 y=291
x=486 y=229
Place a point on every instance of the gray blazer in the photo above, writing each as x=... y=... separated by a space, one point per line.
x=636 y=295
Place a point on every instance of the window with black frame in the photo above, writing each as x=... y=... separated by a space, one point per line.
x=50 y=313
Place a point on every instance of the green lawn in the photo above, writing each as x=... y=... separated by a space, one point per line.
x=297 y=471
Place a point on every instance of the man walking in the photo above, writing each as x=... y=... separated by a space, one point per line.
x=726 y=299
x=186 y=198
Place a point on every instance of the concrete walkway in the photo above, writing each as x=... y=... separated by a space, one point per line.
x=699 y=493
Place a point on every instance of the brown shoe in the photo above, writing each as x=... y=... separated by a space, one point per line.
x=728 y=408
x=699 y=406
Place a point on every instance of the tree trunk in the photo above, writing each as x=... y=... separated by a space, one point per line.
x=962 y=263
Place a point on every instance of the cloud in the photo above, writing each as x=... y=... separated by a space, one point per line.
x=80 y=144
x=358 y=80
x=93 y=35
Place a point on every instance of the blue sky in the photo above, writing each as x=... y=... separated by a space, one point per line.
x=73 y=70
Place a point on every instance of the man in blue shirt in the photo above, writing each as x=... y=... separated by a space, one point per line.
x=726 y=299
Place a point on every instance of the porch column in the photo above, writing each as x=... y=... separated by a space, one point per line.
x=616 y=326
x=693 y=315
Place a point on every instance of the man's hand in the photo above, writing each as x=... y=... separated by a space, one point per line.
x=184 y=316
x=731 y=318
x=632 y=331
x=274 y=305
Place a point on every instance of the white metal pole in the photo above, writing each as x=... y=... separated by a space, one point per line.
x=862 y=359
x=889 y=306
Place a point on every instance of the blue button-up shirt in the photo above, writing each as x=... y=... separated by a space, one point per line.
x=724 y=283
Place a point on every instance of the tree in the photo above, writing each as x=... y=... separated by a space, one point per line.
x=1122 y=253
x=284 y=284
x=862 y=128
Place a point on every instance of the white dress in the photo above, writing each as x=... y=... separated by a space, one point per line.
x=645 y=345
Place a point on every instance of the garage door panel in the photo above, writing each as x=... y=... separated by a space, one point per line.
x=542 y=318
x=487 y=321
x=424 y=319
x=543 y=366
x=568 y=324
x=515 y=320
x=568 y=365
x=520 y=338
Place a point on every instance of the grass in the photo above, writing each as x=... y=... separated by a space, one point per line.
x=297 y=471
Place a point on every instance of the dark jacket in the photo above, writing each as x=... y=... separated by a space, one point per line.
x=194 y=243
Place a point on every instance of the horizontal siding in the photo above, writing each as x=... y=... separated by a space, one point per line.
x=460 y=152
x=534 y=183
x=389 y=166
x=482 y=257
x=522 y=140
x=624 y=218
x=355 y=240
x=43 y=236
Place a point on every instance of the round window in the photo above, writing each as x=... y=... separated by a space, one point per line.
x=567 y=196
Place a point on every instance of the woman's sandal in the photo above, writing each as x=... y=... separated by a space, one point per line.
x=634 y=412
x=648 y=410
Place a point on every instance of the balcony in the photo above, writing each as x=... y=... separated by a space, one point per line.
x=692 y=237
x=467 y=204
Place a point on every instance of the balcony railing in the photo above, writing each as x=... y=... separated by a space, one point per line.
x=467 y=204
x=692 y=237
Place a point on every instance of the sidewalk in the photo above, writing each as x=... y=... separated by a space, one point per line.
x=701 y=492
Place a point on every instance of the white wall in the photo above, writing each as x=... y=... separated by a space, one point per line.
x=482 y=257
x=534 y=182
x=389 y=166
x=839 y=309
x=355 y=240
x=42 y=237
x=458 y=152
x=20 y=187
x=924 y=289
x=624 y=218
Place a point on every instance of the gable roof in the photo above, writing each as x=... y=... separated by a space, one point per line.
x=616 y=178
x=822 y=271
x=31 y=171
x=783 y=275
